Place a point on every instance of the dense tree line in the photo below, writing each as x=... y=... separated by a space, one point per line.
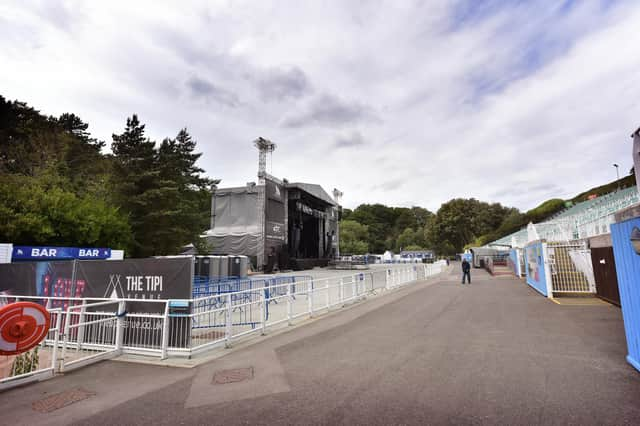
x=458 y=223
x=376 y=228
x=59 y=187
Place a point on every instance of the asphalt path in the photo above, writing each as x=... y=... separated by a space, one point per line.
x=493 y=352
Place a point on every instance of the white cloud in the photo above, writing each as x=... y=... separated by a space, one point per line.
x=513 y=103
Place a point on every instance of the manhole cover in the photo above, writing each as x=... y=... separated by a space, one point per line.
x=233 y=376
x=62 y=399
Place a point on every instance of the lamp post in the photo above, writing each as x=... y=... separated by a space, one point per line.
x=617 y=174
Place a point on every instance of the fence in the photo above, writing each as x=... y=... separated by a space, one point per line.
x=45 y=366
x=571 y=268
x=89 y=330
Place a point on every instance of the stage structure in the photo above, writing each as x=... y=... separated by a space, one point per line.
x=279 y=225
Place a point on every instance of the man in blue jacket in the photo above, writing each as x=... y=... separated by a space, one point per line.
x=466 y=271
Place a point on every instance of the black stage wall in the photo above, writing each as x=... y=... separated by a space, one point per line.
x=275 y=226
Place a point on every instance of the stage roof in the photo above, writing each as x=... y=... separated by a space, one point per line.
x=315 y=190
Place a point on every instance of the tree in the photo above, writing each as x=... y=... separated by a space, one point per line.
x=353 y=237
x=460 y=221
x=136 y=183
x=39 y=211
x=405 y=239
x=185 y=203
x=162 y=190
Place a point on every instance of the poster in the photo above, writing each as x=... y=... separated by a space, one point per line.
x=533 y=266
x=130 y=278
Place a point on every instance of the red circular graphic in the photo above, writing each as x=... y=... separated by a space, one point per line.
x=22 y=326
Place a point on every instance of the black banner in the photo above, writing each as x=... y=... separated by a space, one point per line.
x=130 y=278
x=42 y=279
x=137 y=279
x=275 y=226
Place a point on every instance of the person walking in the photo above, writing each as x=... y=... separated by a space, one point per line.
x=466 y=271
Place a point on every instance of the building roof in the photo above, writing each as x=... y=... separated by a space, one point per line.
x=315 y=190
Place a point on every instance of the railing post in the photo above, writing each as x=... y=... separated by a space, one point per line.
x=65 y=337
x=354 y=287
x=56 y=340
x=81 y=327
x=387 y=272
x=326 y=282
x=342 y=291
x=227 y=325
x=310 y=298
x=120 y=316
x=165 y=331
x=263 y=311
x=289 y=305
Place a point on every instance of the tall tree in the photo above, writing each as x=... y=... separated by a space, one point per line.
x=136 y=181
x=185 y=203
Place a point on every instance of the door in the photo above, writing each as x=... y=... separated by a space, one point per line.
x=604 y=269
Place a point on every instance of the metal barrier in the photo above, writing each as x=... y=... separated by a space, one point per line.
x=47 y=356
x=571 y=268
x=90 y=330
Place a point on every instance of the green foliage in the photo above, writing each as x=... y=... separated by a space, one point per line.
x=625 y=182
x=385 y=224
x=410 y=238
x=203 y=246
x=353 y=236
x=413 y=248
x=26 y=362
x=40 y=211
x=460 y=221
x=516 y=220
x=58 y=188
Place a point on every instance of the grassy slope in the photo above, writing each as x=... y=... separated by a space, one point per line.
x=548 y=208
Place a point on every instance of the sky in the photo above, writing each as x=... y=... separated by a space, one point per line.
x=403 y=103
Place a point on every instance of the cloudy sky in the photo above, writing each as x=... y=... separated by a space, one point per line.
x=403 y=103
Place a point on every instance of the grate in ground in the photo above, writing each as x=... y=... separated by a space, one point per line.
x=233 y=376
x=62 y=399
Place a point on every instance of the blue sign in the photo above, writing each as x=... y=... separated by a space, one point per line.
x=59 y=253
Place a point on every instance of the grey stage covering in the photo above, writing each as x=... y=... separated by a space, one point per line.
x=237 y=225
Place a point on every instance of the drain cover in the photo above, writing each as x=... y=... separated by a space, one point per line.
x=233 y=376
x=62 y=399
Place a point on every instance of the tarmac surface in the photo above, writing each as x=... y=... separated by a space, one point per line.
x=493 y=352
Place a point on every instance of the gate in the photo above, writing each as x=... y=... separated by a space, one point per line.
x=604 y=270
x=571 y=268
x=92 y=332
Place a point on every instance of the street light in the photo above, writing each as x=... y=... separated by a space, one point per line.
x=617 y=174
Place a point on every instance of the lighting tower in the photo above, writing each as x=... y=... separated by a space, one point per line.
x=264 y=146
x=337 y=195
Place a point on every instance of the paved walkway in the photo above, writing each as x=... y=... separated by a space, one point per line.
x=434 y=353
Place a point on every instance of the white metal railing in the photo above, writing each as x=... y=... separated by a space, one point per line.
x=46 y=365
x=571 y=268
x=89 y=330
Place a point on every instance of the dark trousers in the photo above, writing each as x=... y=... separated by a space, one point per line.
x=467 y=275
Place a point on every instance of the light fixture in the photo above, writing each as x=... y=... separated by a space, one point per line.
x=635 y=239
